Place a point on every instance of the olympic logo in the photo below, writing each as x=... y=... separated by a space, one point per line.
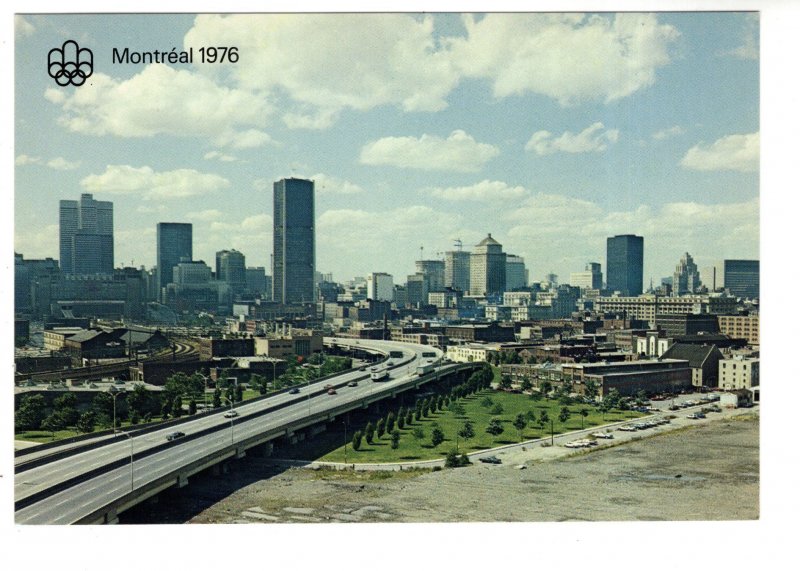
x=70 y=64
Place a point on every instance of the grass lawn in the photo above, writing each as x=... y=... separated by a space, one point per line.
x=413 y=449
x=43 y=436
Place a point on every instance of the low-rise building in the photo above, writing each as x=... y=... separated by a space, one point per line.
x=738 y=373
x=662 y=375
x=740 y=327
x=471 y=352
x=703 y=361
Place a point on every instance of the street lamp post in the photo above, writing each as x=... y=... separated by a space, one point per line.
x=345 y=442
x=114 y=394
x=231 y=403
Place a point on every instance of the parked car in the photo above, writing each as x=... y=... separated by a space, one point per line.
x=175 y=435
x=491 y=460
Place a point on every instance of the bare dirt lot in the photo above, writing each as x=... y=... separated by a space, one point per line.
x=705 y=472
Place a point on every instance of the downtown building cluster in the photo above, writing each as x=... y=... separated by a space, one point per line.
x=476 y=303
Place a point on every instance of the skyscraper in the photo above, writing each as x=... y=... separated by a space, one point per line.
x=174 y=244
x=590 y=278
x=456 y=269
x=231 y=270
x=625 y=264
x=380 y=287
x=516 y=272
x=487 y=268
x=686 y=278
x=86 y=236
x=293 y=241
x=433 y=270
x=742 y=278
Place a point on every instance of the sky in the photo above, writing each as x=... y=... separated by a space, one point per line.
x=549 y=131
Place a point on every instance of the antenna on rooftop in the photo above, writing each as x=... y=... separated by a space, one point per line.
x=421 y=250
x=459 y=244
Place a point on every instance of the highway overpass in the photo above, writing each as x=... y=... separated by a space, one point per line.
x=94 y=486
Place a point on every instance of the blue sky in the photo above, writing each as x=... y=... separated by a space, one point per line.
x=552 y=132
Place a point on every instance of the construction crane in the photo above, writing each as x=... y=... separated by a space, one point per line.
x=458 y=244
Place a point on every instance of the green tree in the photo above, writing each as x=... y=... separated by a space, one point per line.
x=437 y=436
x=590 y=389
x=192 y=406
x=369 y=432
x=457 y=408
x=139 y=400
x=395 y=439
x=86 y=422
x=177 y=406
x=30 y=414
x=467 y=431
x=612 y=398
x=545 y=387
x=66 y=406
x=239 y=393
x=564 y=414
x=486 y=402
x=530 y=415
x=496 y=409
x=216 y=400
x=452 y=459
x=418 y=433
x=505 y=382
x=401 y=421
x=584 y=413
x=544 y=418
x=135 y=417
x=495 y=427
x=520 y=423
x=53 y=423
x=641 y=397
x=409 y=417
x=357 y=436
x=390 y=420
x=526 y=384
x=380 y=428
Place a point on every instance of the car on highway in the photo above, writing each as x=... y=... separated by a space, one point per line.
x=352 y=384
x=294 y=391
x=331 y=391
x=175 y=435
x=231 y=414
x=491 y=460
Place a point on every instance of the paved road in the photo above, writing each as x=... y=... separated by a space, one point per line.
x=69 y=505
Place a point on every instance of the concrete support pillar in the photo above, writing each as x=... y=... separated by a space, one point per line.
x=216 y=470
x=111 y=517
x=183 y=480
x=240 y=453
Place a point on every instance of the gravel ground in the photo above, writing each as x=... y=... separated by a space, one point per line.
x=708 y=471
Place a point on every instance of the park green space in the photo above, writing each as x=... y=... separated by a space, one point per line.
x=413 y=449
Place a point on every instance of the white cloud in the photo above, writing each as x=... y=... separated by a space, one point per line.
x=22 y=160
x=325 y=184
x=569 y=57
x=673 y=131
x=152 y=185
x=593 y=139
x=734 y=152
x=248 y=139
x=459 y=152
x=212 y=155
x=61 y=164
x=153 y=102
x=486 y=190
x=22 y=27
x=326 y=64
x=37 y=244
x=205 y=215
x=748 y=50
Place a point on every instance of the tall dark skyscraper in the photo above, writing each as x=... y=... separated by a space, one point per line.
x=625 y=264
x=174 y=243
x=231 y=270
x=293 y=241
x=86 y=236
x=742 y=277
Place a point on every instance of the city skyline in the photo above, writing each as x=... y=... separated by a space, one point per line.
x=434 y=146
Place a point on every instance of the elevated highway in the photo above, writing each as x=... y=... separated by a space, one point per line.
x=94 y=486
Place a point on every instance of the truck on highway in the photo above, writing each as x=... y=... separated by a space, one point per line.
x=379 y=375
x=424 y=369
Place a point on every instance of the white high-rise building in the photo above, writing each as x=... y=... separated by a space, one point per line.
x=380 y=287
x=590 y=278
